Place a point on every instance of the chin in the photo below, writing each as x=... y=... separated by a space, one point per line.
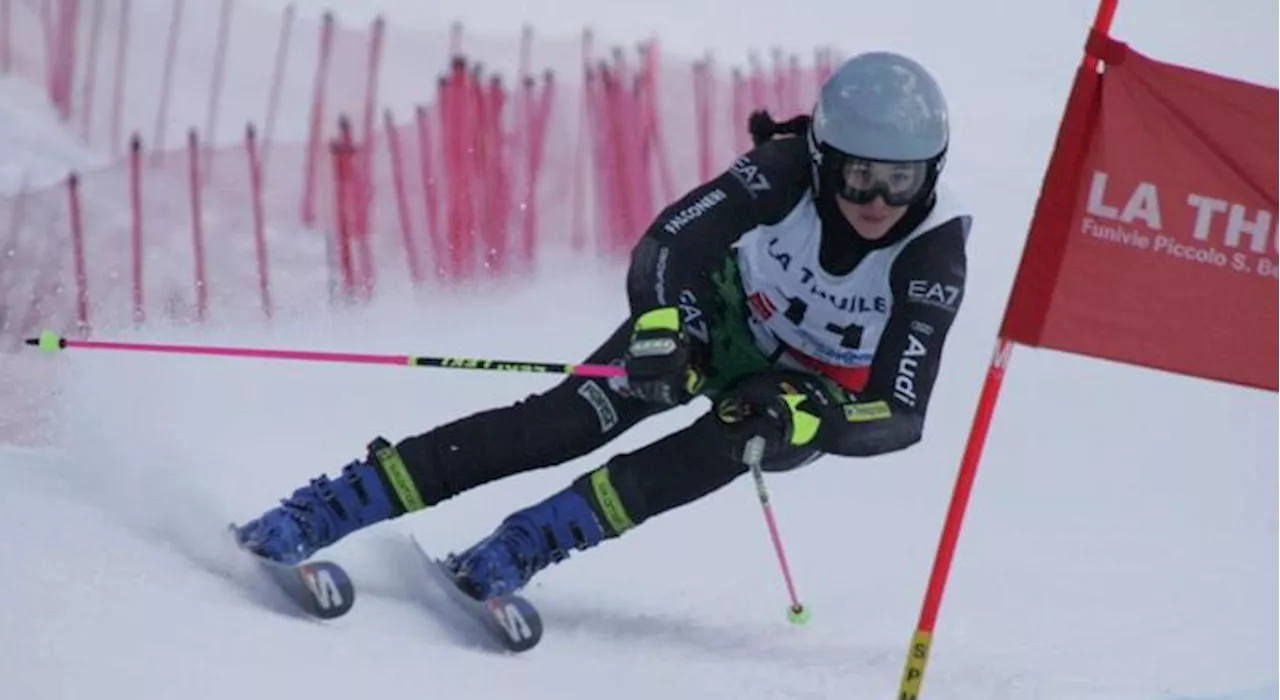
x=872 y=230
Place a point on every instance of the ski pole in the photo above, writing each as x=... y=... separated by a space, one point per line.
x=52 y=342
x=753 y=454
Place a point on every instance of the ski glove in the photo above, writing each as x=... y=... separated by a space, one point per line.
x=658 y=361
x=787 y=409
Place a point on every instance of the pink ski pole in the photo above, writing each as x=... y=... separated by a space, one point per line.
x=52 y=342
x=797 y=613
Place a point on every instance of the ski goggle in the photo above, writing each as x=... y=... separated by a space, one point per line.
x=860 y=180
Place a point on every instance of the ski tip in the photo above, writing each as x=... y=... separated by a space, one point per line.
x=329 y=591
x=511 y=622
x=318 y=587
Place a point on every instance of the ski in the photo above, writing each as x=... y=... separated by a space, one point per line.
x=509 y=621
x=321 y=589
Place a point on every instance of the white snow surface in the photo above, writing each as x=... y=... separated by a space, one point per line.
x=1121 y=541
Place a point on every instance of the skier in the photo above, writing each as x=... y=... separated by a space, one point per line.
x=806 y=292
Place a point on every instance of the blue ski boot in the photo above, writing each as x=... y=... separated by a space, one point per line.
x=323 y=512
x=526 y=542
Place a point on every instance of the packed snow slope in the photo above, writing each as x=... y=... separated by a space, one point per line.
x=1121 y=541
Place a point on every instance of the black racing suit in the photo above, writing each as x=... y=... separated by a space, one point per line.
x=687 y=258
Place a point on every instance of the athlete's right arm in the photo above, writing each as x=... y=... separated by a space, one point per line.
x=689 y=239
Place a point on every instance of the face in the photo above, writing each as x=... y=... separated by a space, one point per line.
x=875 y=195
x=872 y=221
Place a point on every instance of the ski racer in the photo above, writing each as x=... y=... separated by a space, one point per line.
x=806 y=292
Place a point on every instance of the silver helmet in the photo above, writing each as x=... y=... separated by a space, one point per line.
x=880 y=127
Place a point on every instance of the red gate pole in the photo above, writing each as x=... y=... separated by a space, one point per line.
x=78 y=256
x=922 y=639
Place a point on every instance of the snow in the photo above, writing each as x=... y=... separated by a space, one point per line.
x=37 y=150
x=1121 y=541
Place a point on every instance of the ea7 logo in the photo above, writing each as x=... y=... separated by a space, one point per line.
x=694 y=324
x=749 y=175
x=935 y=293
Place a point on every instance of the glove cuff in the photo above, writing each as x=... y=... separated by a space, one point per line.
x=665 y=318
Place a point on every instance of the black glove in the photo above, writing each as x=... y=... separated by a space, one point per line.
x=658 y=361
x=786 y=409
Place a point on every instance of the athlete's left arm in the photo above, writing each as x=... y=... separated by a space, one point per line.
x=928 y=285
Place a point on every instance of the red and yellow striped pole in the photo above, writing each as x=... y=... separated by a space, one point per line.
x=922 y=639
x=918 y=653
